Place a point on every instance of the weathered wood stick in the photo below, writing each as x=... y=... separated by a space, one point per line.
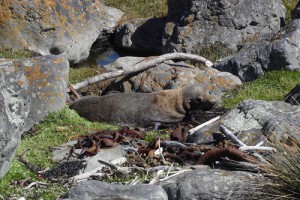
x=193 y=130
x=231 y=136
x=247 y=148
x=141 y=67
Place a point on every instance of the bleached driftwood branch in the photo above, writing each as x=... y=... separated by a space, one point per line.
x=242 y=145
x=193 y=130
x=141 y=67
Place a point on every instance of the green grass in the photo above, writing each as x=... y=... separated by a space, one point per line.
x=16 y=54
x=52 y=131
x=272 y=86
x=289 y=5
x=140 y=8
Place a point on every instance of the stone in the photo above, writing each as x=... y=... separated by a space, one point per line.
x=170 y=75
x=276 y=120
x=275 y=51
x=193 y=24
x=141 y=36
x=29 y=90
x=294 y=96
x=53 y=27
x=94 y=190
x=213 y=184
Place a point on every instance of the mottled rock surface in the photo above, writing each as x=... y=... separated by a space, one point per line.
x=53 y=27
x=213 y=184
x=142 y=36
x=275 y=51
x=170 y=75
x=191 y=24
x=94 y=190
x=294 y=96
x=29 y=90
x=275 y=119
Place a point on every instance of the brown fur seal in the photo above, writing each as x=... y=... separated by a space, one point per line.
x=143 y=109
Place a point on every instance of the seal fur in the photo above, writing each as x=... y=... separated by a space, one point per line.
x=143 y=109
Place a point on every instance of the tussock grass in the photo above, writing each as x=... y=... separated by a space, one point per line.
x=284 y=172
x=273 y=86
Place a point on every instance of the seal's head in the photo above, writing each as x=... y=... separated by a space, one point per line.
x=199 y=97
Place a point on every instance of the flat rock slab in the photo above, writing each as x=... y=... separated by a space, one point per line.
x=29 y=90
x=212 y=184
x=95 y=190
x=114 y=155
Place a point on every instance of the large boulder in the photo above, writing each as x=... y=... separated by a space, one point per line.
x=191 y=24
x=53 y=27
x=142 y=36
x=29 y=90
x=170 y=75
x=275 y=51
x=213 y=184
x=94 y=190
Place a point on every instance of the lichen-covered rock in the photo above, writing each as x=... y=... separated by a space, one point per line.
x=94 y=190
x=142 y=36
x=191 y=24
x=170 y=76
x=53 y=27
x=213 y=184
x=275 y=51
x=29 y=90
x=294 y=96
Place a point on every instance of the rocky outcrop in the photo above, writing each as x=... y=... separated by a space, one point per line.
x=191 y=24
x=213 y=184
x=294 y=96
x=141 y=36
x=53 y=27
x=256 y=121
x=275 y=51
x=29 y=90
x=93 y=190
x=170 y=75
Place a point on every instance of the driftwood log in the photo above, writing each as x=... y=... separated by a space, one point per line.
x=141 y=66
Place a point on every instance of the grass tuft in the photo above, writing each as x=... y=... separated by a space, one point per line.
x=16 y=54
x=284 y=172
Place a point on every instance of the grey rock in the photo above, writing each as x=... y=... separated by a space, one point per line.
x=275 y=51
x=213 y=184
x=192 y=24
x=96 y=190
x=55 y=27
x=142 y=36
x=29 y=90
x=294 y=96
x=170 y=75
x=276 y=120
